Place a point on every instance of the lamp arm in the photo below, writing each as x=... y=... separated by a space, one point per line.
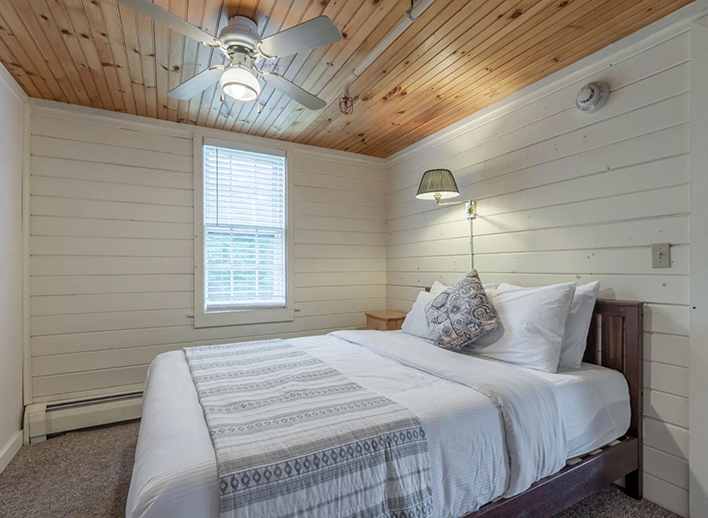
x=449 y=203
x=471 y=210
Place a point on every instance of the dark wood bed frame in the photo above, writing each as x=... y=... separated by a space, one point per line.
x=619 y=326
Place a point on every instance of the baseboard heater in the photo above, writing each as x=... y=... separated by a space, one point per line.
x=42 y=419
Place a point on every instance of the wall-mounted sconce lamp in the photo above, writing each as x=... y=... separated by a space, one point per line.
x=439 y=184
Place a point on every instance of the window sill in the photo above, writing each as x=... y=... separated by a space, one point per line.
x=243 y=317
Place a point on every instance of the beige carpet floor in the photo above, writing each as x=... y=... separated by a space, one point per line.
x=86 y=474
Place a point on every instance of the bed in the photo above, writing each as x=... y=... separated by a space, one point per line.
x=175 y=473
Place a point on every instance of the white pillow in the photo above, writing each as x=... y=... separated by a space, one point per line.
x=577 y=325
x=416 y=322
x=532 y=325
x=437 y=287
x=441 y=287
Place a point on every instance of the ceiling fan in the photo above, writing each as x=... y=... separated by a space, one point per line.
x=240 y=43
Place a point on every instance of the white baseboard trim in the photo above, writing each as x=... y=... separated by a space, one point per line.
x=8 y=452
x=42 y=419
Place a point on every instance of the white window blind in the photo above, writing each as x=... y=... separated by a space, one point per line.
x=244 y=229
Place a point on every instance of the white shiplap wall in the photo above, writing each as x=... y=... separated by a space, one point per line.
x=112 y=251
x=566 y=196
x=12 y=136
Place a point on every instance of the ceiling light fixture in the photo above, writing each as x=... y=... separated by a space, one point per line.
x=239 y=40
x=240 y=83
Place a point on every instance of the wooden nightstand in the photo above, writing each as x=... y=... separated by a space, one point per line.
x=384 y=320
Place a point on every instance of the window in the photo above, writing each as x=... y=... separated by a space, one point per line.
x=244 y=243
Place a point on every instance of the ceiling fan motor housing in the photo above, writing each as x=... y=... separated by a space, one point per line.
x=240 y=32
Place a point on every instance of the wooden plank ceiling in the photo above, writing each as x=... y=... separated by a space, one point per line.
x=459 y=57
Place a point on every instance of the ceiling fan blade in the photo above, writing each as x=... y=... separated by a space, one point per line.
x=293 y=91
x=197 y=84
x=313 y=33
x=170 y=20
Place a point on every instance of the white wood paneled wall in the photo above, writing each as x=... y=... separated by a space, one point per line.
x=566 y=196
x=698 y=389
x=112 y=252
x=12 y=136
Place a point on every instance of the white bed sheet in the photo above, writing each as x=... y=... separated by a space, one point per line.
x=175 y=469
x=595 y=404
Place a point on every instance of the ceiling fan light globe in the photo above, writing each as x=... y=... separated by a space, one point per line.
x=240 y=83
x=240 y=92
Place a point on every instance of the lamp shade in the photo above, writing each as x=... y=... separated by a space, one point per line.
x=437 y=181
x=240 y=83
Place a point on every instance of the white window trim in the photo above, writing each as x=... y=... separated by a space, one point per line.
x=204 y=318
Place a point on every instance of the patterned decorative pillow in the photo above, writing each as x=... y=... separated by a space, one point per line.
x=461 y=314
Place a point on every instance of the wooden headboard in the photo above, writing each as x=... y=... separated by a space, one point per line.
x=616 y=340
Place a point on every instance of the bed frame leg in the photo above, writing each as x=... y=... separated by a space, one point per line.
x=633 y=484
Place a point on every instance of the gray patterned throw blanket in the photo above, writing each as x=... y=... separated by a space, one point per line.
x=294 y=437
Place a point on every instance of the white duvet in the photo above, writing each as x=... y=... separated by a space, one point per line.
x=492 y=429
x=530 y=406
